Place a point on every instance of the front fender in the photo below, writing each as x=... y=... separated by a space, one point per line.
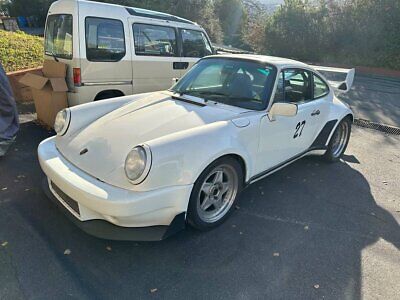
x=179 y=159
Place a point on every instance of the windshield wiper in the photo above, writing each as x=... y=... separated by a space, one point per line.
x=212 y=93
x=187 y=101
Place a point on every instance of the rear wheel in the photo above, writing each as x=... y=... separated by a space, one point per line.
x=214 y=193
x=339 y=141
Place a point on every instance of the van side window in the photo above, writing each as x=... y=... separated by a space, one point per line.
x=195 y=44
x=105 y=39
x=154 y=40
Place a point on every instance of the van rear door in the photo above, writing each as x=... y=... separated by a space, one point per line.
x=155 y=59
x=59 y=43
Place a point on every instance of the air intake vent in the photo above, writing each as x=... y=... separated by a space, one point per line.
x=70 y=202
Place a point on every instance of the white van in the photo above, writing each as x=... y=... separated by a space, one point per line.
x=112 y=50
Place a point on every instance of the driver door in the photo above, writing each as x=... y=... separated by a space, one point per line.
x=285 y=138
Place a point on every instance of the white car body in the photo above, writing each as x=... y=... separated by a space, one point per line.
x=184 y=139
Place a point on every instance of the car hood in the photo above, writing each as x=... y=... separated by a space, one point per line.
x=101 y=148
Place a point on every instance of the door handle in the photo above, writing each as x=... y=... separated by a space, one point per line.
x=315 y=113
x=180 y=65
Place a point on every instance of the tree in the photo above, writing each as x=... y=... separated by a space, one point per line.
x=202 y=12
x=232 y=17
x=27 y=8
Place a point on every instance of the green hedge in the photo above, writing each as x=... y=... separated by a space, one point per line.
x=20 y=51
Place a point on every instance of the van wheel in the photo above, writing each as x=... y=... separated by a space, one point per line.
x=108 y=94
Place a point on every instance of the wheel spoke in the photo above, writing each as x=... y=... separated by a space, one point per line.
x=207 y=202
x=225 y=187
x=219 y=175
x=218 y=203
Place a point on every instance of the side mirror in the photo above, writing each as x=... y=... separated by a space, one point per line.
x=282 y=109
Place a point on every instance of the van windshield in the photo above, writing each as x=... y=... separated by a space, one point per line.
x=58 y=36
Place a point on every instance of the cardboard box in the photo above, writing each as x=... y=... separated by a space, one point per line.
x=22 y=93
x=49 y=90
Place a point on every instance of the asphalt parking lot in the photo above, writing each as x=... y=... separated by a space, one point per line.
x=310 y=231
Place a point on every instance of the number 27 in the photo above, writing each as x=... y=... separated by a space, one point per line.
x=299 y=129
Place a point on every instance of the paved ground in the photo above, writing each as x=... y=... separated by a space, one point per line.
x=375 y=98
x=310 y=231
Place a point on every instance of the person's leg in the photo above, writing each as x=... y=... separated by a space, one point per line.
x=9 y=123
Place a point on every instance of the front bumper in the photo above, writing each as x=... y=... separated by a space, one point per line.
x=107 y=211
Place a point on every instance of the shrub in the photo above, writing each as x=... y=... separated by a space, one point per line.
x=20 y=51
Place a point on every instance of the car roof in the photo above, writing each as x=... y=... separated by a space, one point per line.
x=279 y=62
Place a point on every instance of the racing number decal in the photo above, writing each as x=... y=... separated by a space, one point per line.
x=299 y=129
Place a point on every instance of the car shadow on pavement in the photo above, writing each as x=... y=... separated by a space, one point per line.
x=297 y=234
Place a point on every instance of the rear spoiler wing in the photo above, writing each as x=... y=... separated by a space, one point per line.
x=339 y=86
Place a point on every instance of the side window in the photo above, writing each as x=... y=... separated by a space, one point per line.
x=195 y=44
x=105 y=39
x=154 y=40
x=321 y=89
x=294 y=85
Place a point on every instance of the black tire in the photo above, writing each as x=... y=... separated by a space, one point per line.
x=333 y=154
x=194 y=212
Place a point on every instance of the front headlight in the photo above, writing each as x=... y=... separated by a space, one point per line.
x=137 y=164
x=62 y=121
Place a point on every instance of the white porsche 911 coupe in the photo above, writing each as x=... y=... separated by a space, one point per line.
x=141 y=167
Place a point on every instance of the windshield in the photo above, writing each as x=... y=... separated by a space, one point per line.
x=58 y=36
x=236 y=82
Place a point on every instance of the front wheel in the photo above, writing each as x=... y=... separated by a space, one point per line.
x=339 y=141
x=214 y=193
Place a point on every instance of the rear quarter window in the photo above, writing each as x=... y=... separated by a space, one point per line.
x=105 y=39
x=321 y=89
